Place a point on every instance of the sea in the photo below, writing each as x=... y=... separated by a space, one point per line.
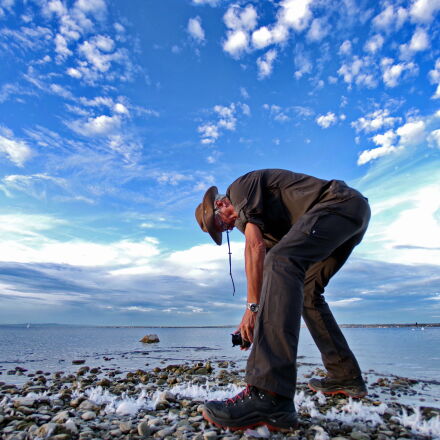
x=382 y=352
x=412 y=352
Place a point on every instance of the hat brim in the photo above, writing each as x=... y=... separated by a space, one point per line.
x=206 y=211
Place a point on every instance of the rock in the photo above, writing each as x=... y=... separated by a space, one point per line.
x=88 y=405
x=78 y=361
x=165 y=432
x=88 y=415
x=125 y=427
x=71 y=426
x=209 y=435
x=150 y=339
x=358 y=435
x=47 y=430
x=76 y=402
x=24 y=401
x=143 y=429
x=61 y=417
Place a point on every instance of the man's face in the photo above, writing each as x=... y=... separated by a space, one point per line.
x=225 y=216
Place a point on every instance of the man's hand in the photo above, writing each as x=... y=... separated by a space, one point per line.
x=246 y=327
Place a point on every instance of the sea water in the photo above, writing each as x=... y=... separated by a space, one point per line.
x=410 y=352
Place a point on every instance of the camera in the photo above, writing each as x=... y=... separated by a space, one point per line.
x=238 y=340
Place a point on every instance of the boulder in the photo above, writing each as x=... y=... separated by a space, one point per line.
x=150 y=339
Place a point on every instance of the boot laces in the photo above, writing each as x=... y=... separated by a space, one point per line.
x=240 y=396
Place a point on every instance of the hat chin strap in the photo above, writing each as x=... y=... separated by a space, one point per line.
x=230 y=263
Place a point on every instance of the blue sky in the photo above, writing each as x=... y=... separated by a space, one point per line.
x=116 y=116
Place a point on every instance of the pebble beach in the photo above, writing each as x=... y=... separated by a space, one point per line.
x=166 y=403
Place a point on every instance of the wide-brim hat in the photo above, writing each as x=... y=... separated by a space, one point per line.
x=205 y=215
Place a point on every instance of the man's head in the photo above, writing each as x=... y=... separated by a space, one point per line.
x=215 y=214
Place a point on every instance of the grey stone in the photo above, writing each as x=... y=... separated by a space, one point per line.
x=61 y=417
x=143 y=429
x=150 y=339
x=88 y=415
x=47 y=430
x=358 y=435
x=24 y=401
x=70 y=425
x=165 y=432
x=125 y=427
x=88 y=405
x=210 y=435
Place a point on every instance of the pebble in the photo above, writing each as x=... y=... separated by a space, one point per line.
x=88 y=415
x=359 y=435
x=143 y=429
x=125 y=427
x=60 y=409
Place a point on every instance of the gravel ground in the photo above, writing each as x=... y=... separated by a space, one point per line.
x=166 y=403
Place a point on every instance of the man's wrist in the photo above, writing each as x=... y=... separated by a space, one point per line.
x=253 y=307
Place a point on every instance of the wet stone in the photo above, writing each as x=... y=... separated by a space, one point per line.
x=359 y=435
x=143 y=429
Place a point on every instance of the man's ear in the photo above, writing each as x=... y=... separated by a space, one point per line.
x=220 y=203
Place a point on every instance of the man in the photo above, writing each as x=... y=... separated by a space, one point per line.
x=299 y=231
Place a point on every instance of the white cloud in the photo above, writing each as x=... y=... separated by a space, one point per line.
x=60 y=91
x=35 y=185
x=120 y=108
x=237 y=18
x=265 y=63
x=359 y=71
x=93 y=51
x=374 y=44
x=423 y=11
x=17 y=151
x=345 y=48
x=74 y=73
x=206 y=2
x=318 y=30
x=302 y=64
x=392 y=73
x=261 y=38
x=387 y=139
x=344 y=302
x=415 y=231
x=411 y=133
x=61 y=47
x=434 y=138
x=209 y=133
x=102 y=125
x=195 y=29
x=419 y=42
x=391 y=18
x=95 y=7
x=236 y=43
x=369 y=155
x=434 y=77
x=226 y=120
x=325 y=121
x=295 y=14
x=375 y=121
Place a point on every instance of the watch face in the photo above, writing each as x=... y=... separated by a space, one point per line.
x=253 y=307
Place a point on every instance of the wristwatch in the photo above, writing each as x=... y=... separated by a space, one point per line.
x=253 y=307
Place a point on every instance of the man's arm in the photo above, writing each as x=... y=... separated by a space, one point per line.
x=255 y=251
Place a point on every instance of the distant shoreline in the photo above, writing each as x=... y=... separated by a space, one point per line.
x=407 y=325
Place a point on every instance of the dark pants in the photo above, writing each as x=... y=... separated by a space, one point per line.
x=296 y=271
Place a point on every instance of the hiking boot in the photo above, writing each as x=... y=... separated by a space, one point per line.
x=250 y=408
x=349 y=387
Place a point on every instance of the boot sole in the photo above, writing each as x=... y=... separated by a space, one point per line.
x=344 y=392
x=250 y=425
